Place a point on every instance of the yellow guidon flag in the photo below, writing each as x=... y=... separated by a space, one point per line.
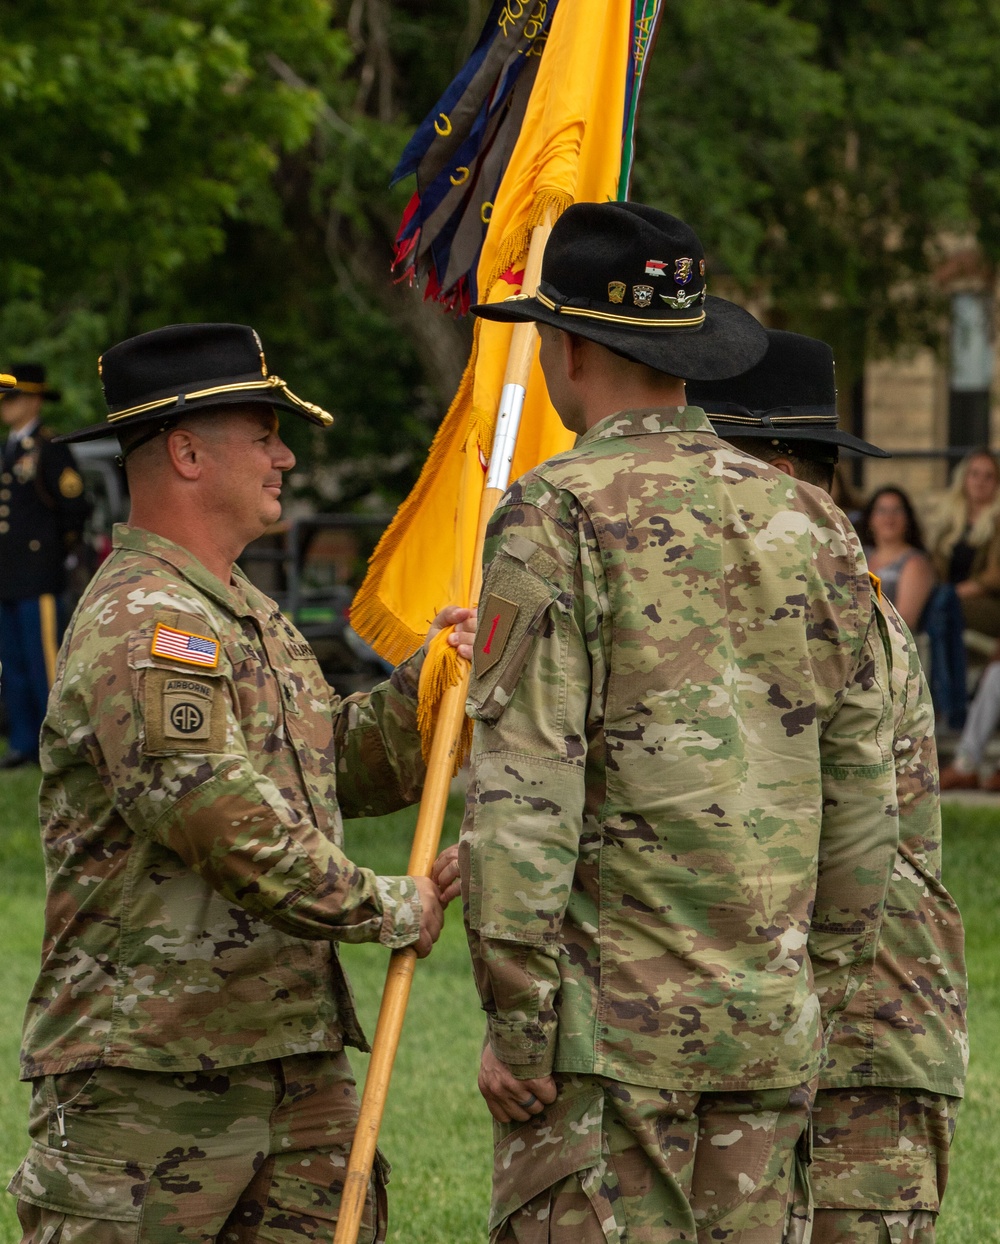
x=577 y=121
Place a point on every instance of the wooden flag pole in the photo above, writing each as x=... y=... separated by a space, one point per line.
x=440 y=767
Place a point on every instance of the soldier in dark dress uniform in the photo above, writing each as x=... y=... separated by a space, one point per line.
x=42 y=511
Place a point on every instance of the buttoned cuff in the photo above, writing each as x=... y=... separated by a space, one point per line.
x=401 y=911
x=527 y=1047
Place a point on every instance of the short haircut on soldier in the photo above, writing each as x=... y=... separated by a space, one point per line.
x=205 y=422
x=815 y=461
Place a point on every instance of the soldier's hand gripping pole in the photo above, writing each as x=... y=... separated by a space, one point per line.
x=440 y=767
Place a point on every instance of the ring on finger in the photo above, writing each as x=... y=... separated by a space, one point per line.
x=526 y=1105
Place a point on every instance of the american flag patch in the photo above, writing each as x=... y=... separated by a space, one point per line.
x=183 y=646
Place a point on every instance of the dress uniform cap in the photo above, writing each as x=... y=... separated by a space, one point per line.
x=30 y=378
x=791 y=393
x=162 y=375
x=632 y=278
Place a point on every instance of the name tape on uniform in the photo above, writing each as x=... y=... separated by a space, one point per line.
x=184 y=646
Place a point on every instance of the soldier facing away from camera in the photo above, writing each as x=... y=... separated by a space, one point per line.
x=681 y=819
x=895 y=1065
x=185 y=1037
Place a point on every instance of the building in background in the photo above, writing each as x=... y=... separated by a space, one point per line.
x=932 y=402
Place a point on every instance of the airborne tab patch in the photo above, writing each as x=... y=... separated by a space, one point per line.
x=187 y=709
x=190 y=649
x=496 y=619
x=182 y=713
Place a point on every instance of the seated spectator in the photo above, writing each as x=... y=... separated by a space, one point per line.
x=894 y=547
x=984 y=713
x=966 y=546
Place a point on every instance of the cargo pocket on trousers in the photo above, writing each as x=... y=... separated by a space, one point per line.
x=305 y=1198
x=93 y=1200
x=530 y=1160
x=897 y=1180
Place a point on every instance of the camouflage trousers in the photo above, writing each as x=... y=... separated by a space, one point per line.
x=609 y=1163
x=880 y=1164
x=239 y=1155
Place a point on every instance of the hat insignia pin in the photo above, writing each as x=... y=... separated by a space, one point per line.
x=616 y=291
x=642 y=295
x=681 y=300
x=683 y=271
x=656 y=267
x=701 y=267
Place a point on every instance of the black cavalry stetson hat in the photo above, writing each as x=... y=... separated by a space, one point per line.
x=633 y=279
x=791 y=394
x=185 y=368
x=30 y=378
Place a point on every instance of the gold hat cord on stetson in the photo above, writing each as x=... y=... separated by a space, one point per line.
x=250 y=387
x=748 y=420
x=7 y=382
x=631 y=321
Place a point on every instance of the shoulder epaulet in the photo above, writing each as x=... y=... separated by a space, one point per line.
x=876 y=583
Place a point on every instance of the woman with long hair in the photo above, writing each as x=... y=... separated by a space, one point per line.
x=894 y=546
x=966 y=547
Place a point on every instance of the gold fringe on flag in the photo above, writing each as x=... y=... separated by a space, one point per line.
x=513 y=249
x=442 y=668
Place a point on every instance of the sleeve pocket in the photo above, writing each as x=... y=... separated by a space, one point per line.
x=511 y=615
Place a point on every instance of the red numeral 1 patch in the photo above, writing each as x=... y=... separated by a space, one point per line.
x=496 y=621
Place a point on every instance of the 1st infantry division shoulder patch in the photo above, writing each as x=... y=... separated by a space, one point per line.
x=496 y=620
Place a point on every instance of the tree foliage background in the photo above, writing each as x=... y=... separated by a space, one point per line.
x=229 y=159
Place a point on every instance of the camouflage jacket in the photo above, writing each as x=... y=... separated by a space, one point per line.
x=193 y=758
x=679 y=686
x=905 y=1027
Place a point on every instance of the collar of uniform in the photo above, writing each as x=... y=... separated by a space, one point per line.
x=29 y=429
x=185 y=563
x=649 y=420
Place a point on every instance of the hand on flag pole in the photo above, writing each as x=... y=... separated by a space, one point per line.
x=460 y=625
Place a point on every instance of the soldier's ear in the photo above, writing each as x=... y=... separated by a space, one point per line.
x=185 y=450
x=786 y=465
x=574 y=348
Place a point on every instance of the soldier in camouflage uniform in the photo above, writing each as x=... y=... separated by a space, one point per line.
x=896 y=1058
x=185 y=1037
x=681 y=703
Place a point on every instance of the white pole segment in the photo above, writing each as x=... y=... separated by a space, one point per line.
x=505 y=436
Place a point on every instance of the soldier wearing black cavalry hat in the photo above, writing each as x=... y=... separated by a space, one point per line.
x=663 y=749
x=894 y=1071
x=196 y=770
x=42 y=512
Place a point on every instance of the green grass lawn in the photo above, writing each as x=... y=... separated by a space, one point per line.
x=437 y=1131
